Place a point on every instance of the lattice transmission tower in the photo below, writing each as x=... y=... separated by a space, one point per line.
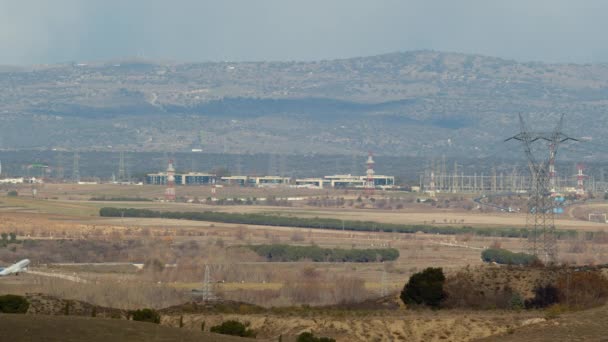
x=540 y=220
x=207 y=292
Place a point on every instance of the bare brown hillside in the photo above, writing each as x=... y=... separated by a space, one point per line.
x=590 y=325
x=28 y=328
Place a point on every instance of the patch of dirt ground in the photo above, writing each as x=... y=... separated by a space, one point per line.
x=424 y=325
x=589 y=325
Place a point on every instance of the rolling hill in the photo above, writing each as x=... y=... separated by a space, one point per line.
x=406 y=104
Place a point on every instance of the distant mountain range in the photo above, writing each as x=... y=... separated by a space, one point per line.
x=411 y=104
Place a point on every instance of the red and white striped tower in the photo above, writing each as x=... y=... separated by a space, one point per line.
x=552 y=168
x=369 y=183
x=432 y=184
x=580 y=180
x=170 y=190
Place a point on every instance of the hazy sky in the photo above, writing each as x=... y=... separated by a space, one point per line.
x=48 y=31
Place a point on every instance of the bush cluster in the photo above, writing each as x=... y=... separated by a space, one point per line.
x=146 y=315
x=506 y=257
x=310 y=337
x=425 y=288
x=13 y=304
x=6 y=239
x=544 y=296
x=322 y=223
x=284 y=253
x=572 y=289
x=465 y=290
x=234 y=328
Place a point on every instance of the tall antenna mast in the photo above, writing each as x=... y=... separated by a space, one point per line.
x=170 y=190
x=540 y=214
x=370 y=186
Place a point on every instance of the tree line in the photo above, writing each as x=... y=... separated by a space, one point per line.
x=322 y=223
x=277 y=252
x=506 y=257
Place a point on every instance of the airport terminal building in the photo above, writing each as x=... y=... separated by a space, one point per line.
x=334 y=181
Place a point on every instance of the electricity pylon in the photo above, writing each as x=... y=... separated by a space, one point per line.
x=207 y=286
x=540 y=220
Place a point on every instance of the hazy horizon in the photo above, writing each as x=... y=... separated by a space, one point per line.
x=40 y=32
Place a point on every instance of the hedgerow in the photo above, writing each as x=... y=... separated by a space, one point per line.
x=506 y=257
x=320 y=223
x=315 y=253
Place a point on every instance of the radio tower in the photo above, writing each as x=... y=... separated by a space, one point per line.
x=170 y=190
x=552 y=168
x=369 y=182
x=540 y=213
x=432 y=182
x=580 y=180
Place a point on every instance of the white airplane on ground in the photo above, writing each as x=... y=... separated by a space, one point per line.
x=21 y=266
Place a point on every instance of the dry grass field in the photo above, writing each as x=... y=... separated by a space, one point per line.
x=79 y=255
x=402 y=325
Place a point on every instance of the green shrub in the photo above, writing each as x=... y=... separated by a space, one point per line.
x=234 y=328
x=146 y=315
x=425 y=288
x=284 y=253
x=506 y=257
x=12 y=193
x=13 y=304
x=309 y=337
x=544 y=296
x=516 y=302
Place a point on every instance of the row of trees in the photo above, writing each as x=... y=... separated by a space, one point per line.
x=120 y=199
x=506 y=257
x=322 y=223
x=278 y=252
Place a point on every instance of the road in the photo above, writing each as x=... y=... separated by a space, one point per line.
x=58 y=275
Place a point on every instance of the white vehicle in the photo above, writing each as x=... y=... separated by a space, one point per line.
x=21 y=266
